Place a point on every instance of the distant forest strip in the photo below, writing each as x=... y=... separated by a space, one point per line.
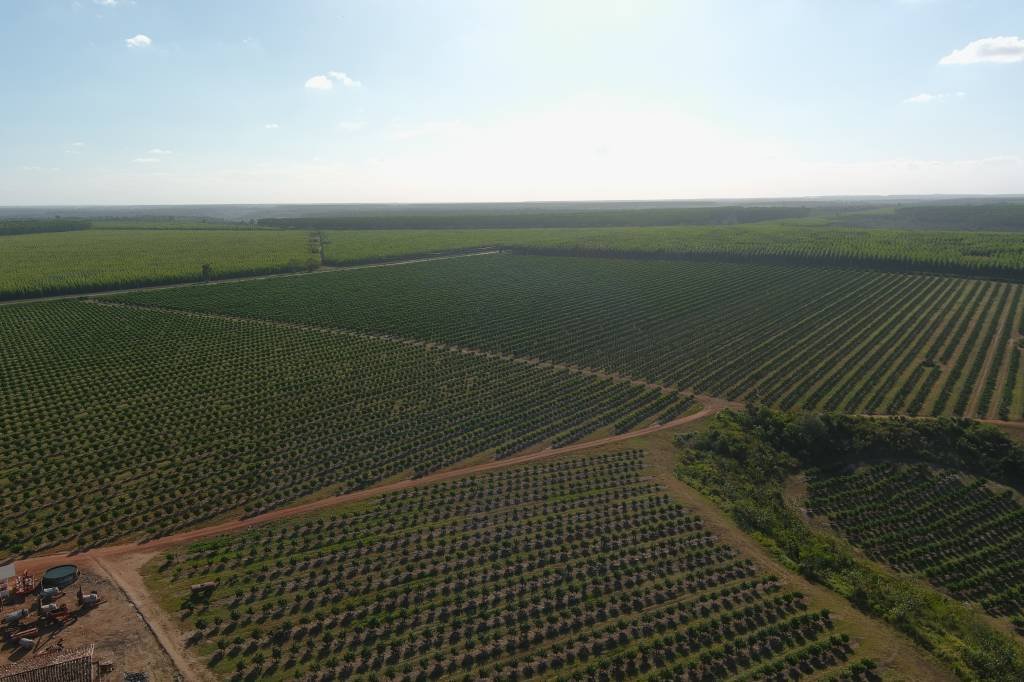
x=1008 y=217
x=173 y=224
x=863 y=262
x=12 y=227
x=988 y=255
x=1001 y=217
x=705 y=215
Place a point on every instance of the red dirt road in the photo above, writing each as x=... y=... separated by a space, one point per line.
x=123 y=563
x=35 y=564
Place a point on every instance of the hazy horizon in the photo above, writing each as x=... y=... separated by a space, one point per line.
x=151 y=102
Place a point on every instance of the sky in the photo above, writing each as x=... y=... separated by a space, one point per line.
x=319 y=101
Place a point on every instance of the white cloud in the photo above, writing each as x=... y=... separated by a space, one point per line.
x=344 y=79
x=146 y=159
x=271 y=126
x=77 y=144
x=927 y=97
x=106 y=3
x=139 y=40
x=322 y=82
x=998 y=50
x=160 y=152
x=319 y=83
x=351 y=126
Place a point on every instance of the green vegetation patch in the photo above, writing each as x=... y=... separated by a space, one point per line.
x=118 y=422
x=744 y=459
x=580 y=568
x=94 y=260
x=815 y=338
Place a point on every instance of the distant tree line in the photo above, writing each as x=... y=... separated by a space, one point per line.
x=895 y=263
x=836 y=440
x=710 y=215
x=1008 y=217
x=11 y=227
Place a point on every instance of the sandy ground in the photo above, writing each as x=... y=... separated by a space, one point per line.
x=115 y=627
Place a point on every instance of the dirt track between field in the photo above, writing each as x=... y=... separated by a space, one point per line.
x=711 y=406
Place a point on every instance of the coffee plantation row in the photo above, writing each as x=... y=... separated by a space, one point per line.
x=119 y=422
x=953 y=530
x=582 y=568
x=814 y=338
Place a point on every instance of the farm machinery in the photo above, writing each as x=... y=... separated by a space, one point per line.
x=22 y=627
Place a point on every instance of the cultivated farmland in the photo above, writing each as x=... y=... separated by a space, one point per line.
x=93 y=260
x=812 y=338
x=997 y=255
x=581 y=568
x=953 y=530
x=118 y=422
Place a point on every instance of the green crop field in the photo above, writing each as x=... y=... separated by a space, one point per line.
x=812 y=338
x=958 y=533
x=119 y=422
x=93 y=260
x=998 y=255
x=578 y=569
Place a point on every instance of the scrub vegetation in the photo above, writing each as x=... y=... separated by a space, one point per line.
x=744 y=460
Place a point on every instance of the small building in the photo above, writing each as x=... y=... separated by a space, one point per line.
x=74 y=665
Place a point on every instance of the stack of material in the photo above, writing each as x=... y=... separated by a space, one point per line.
x=63 y=666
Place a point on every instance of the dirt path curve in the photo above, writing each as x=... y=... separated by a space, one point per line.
x=711 y=406
x=251 y=278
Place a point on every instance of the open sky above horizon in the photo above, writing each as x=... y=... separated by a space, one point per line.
x=262 y=101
